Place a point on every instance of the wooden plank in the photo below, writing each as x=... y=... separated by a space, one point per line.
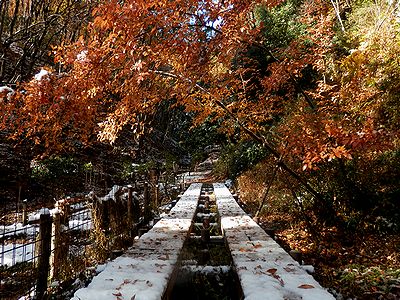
x=144 y=271
x=264 y=269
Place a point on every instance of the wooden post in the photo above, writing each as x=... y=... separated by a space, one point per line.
x=44 y=253
x=130 y=211
x=157 y=195
x=105 y=213
x=112 y=211
x=147 y=209
x=65 y=210
x=153 y=175
x=136 y=209
x=182 y=187
x=65 y=213
x=58 y=253
x=19 y=200
x=24 y=212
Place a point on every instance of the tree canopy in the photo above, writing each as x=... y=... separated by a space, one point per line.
x=267 y=69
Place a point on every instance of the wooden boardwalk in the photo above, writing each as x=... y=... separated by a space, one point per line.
x=265 y=270
x=143 y=272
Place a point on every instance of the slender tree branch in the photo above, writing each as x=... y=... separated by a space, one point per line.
x=292 y=78
x=252 y=134
x=265 y=194
x=337 y=11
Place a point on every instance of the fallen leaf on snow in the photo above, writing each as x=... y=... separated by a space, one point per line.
x=306 y=286
x=289 y=269
x=272 y=271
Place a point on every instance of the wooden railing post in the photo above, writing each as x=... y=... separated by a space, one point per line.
x=182 y=184
x=105 y=209
x=147 y=208
x=130 y=211
x=136 y=209
x=57 y=250
x=153 y=175
x=157 y=195
x=24 y=212
x=44 y=244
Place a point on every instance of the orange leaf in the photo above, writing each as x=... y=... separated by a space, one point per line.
x=244 y=250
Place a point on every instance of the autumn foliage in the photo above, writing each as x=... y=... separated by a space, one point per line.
x=305 y=102
x=310 y=86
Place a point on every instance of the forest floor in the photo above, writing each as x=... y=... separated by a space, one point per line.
x=361 y=266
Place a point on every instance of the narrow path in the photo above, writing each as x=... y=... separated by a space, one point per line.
x=265 y=270
x=150 y=269
x=143 y=272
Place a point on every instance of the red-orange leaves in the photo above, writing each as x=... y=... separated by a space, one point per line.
x=136 y=54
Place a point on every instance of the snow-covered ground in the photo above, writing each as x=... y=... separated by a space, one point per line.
x=18 y=229
x=190 y=177
x=16 y=253
x=81 y=220
x=12 y=252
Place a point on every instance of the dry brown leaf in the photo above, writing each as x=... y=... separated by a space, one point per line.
x=306 y=286
x=245 y=250
x=272 y=271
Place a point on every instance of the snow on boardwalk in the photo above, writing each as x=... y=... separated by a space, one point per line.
x=143 y=272
x=265 y=270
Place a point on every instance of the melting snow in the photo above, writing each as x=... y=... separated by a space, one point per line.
x=39 y=76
